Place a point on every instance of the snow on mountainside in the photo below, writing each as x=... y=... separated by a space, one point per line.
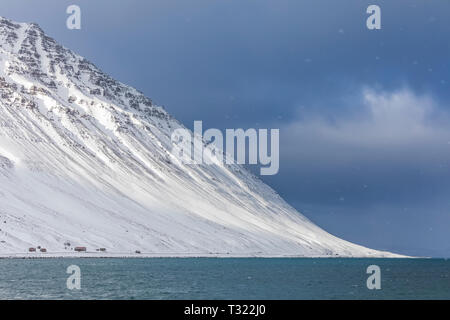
x=85 y=159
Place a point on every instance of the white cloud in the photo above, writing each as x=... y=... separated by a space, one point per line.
x=389 y=127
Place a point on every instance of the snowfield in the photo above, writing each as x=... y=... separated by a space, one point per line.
x=85 y=161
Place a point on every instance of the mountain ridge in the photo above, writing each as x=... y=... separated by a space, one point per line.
x=86 y=160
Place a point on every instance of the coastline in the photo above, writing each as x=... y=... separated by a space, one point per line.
x=184 y=255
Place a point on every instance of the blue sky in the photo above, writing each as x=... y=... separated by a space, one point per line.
x=364 y=116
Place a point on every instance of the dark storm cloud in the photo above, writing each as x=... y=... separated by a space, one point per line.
x=396 y=145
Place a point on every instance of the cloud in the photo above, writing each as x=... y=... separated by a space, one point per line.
x=395 y=144
x=388 y=123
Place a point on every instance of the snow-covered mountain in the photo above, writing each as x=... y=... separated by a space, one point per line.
x=86 y=159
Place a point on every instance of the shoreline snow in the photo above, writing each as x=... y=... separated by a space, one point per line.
x=184 y=255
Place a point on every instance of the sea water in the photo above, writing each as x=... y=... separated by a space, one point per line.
x=224 y=278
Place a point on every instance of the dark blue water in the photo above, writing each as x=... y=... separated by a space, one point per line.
x=168 y=278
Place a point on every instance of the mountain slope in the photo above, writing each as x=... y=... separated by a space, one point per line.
x=85 y=159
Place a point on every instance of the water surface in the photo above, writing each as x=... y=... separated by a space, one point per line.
x=215 y=278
